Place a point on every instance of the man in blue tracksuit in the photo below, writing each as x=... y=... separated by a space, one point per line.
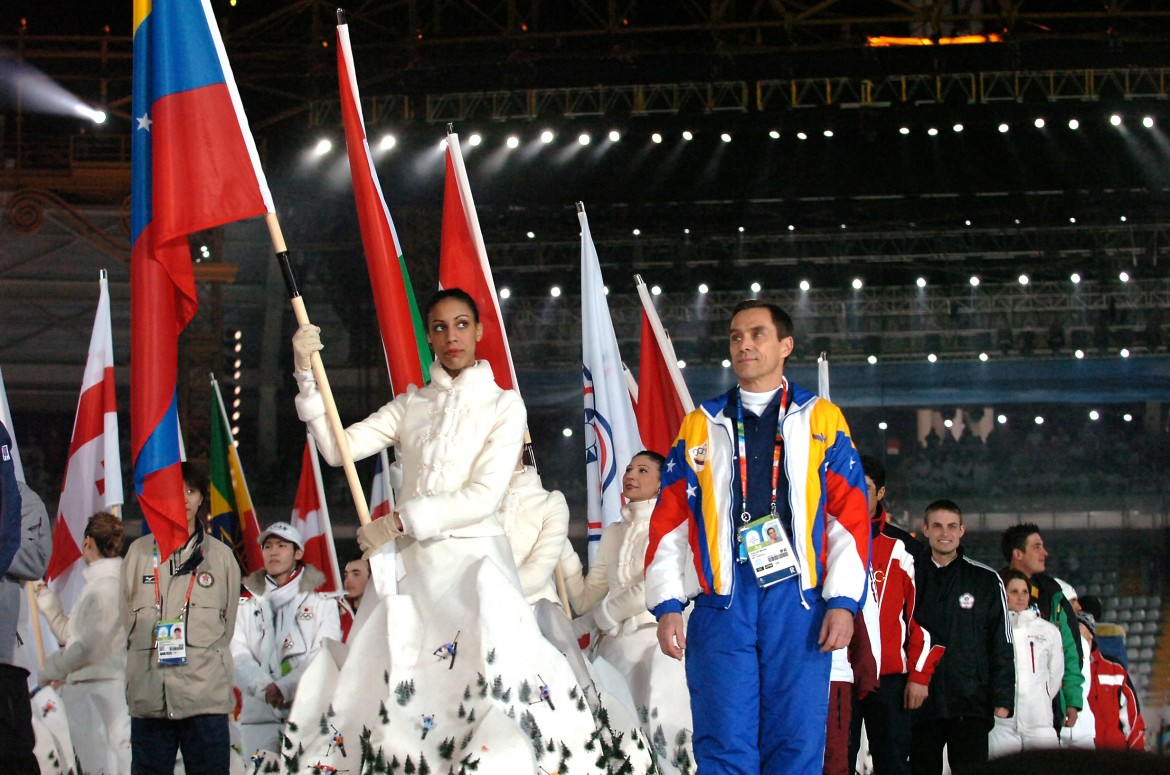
x=766 y=456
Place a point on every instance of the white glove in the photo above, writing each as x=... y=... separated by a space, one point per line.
x=583 y=624
x=47 y=600
x=306 y=341
x=371 y=537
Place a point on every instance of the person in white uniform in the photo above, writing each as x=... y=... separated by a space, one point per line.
x=92 y=663
x=536 y=522
x=280 y=627
x=611 y=598
x=1039 y=655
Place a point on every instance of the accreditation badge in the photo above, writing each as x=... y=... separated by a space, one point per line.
x=171 y=639
x=768 y=550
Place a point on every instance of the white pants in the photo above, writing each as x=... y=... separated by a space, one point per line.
x=1005 y=738
x=99 y=723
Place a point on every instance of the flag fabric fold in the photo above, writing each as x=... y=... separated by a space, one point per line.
x=611 y=429
x=93 y=472
x=463 y=263
x=381 y=494
x=194 y=166
x=232 y=517
x=663 y=399
x=310 y=515
x=403 y=333
x=6 y=419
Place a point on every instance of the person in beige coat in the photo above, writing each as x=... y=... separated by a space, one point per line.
x=92 y=663
x=181 y=706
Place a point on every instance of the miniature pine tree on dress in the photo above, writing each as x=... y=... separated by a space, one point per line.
x=383 y=714
x=408 y=768
x=423 y=767
x=447 y=748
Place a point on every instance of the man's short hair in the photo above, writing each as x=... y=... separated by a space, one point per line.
x=1016 y=537
x=874 y=469
x=780 y=318
x=942 y=504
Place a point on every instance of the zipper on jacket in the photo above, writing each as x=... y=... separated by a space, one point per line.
x=792 y=516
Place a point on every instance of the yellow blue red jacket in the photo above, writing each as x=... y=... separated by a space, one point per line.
x=826 y=495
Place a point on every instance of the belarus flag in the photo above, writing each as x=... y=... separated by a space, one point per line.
x=93 y=474
x=194 y=166
x=310 y=515
x=403 y=333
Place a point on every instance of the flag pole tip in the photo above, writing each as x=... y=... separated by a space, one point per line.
x=638 y=280
x=450 y=129
x=341 y=16
x=580 y=207
x=824 y=356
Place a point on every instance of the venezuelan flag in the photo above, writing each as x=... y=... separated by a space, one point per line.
x=194 y=166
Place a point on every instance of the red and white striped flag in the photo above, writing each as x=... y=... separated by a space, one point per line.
x=310 y=515
x=663 y=399
x=381 y=494
x=93 y=474
x=463 y=263
x=611 y=430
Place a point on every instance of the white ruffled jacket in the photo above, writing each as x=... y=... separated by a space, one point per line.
x=305 y=617
x=536 y=522
x=95 y=635
x=458 y=441
x=615 y=588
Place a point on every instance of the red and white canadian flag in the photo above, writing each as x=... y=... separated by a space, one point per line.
x=663 y=398
x=310 y=515
x=93 y=473
x=463 y=263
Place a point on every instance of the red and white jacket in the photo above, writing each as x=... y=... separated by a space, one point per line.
x=1119 y=719
x=906 y=647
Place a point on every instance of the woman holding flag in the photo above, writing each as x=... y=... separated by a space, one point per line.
x=458 y=439
x=459 y=631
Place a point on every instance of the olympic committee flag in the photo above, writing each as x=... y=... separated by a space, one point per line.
x=232 y=519
x=663 y=398
x=93 y=473
x=401 y=326
x=463 y=263
x=193 y=166
x=611 y=429
x=310 y=515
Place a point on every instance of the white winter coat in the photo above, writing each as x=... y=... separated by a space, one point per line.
x=259 y=650
x=615 y=588
x=95 y=635
x=1039 y=670
x=458 y=441
x=536 y=522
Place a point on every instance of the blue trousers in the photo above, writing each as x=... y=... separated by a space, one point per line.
x=759 y=683
x=204 y=740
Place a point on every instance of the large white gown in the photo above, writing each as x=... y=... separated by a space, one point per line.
x=615 y=591
x=451 y=669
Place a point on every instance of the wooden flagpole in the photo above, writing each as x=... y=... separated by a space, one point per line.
x=331 y=415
